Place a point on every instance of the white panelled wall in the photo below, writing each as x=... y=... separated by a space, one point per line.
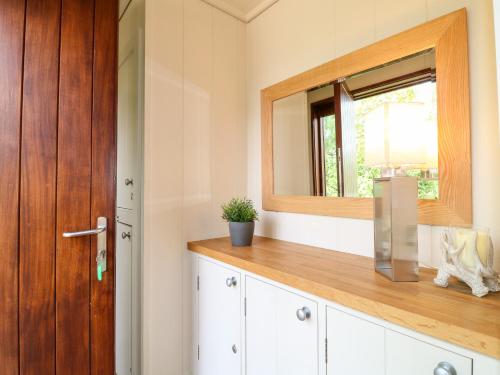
x=295 y=35
x=204 y=73
x=195 y=158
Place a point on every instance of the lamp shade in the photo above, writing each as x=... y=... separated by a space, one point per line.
x=396 y=135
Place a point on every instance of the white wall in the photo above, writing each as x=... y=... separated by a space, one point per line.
x=291 y=148
x=195 y=158
x=296 y=35
x=202 y=134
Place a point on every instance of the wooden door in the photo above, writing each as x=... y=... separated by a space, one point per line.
x=219 y=309
x=58 y=63
x=277 y=341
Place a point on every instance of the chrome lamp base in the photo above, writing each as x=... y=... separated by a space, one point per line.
x=395 y=227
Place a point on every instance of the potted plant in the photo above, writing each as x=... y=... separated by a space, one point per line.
x=241 y=216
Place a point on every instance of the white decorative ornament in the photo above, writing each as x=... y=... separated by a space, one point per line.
x=462 y=259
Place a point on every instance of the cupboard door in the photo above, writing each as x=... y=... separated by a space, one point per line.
x=355 y=346
x=406 y=355
x=123 y=355
x=128 y=114
x=277 y=341
x=219 y=308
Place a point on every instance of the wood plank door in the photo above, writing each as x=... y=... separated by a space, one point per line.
x=58 y=70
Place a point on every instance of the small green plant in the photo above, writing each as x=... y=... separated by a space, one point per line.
x=239 y=210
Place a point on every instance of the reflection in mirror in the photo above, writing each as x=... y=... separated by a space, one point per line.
x=335 y=139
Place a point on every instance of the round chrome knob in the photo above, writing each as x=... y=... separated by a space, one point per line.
x=235 y=349
x=444 y=368
x=303 y=314
x=231 y=281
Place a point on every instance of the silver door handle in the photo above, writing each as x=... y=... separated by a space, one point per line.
x=100 y=231
x=82 y=233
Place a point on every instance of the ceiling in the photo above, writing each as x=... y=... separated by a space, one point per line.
x=244 y=10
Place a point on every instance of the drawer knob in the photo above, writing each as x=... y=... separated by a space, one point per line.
x=235 y=349
x=303 y=314
x=444 y=368
x=231 y=281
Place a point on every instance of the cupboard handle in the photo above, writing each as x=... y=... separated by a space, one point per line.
x=129 y=181
x=303 y=314
x=235 y=349
x=231 y=281
x=444 y=368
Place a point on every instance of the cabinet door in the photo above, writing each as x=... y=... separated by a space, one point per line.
x=406 y=355
x=219 y=320
x=123 y=356
x=128 y=115
x=277 y=342
x=355 y=346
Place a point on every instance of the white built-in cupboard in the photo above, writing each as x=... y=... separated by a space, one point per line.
x=128 y=188
x=247 y=324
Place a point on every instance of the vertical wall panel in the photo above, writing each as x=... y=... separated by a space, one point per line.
x=73 y=188
x=103 y=188
x=11 y=64
x=38 y=188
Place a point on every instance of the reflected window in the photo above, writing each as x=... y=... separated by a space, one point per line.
x=340 y=171
x=332 y=140
x=325 y=144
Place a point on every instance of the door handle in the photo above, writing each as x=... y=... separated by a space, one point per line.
x=101 y=232
x=82 y=233
x=231 y=281
x=303 y=314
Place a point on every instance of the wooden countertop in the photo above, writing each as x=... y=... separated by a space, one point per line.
x=450 y=314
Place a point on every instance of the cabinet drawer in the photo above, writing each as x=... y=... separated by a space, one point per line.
x=281 y=339
x=409 y=356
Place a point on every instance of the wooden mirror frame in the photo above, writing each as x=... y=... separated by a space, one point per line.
x=448 y=36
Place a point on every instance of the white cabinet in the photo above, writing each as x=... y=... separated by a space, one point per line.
x=129 y=112
x=128 y=186
x=277 y=330
x=219 y=320
x=359 y=347
x=355 y=346
x=281 y=331
x=124 y=306
x=409 y=356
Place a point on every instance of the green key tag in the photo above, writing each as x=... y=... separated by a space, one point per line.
x=99 y=271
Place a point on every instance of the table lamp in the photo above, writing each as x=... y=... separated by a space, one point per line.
x=395 y=140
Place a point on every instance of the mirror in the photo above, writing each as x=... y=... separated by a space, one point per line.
x=334 y=139
x=400 y=105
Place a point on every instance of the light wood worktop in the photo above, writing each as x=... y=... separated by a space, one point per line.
x=451 y=314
